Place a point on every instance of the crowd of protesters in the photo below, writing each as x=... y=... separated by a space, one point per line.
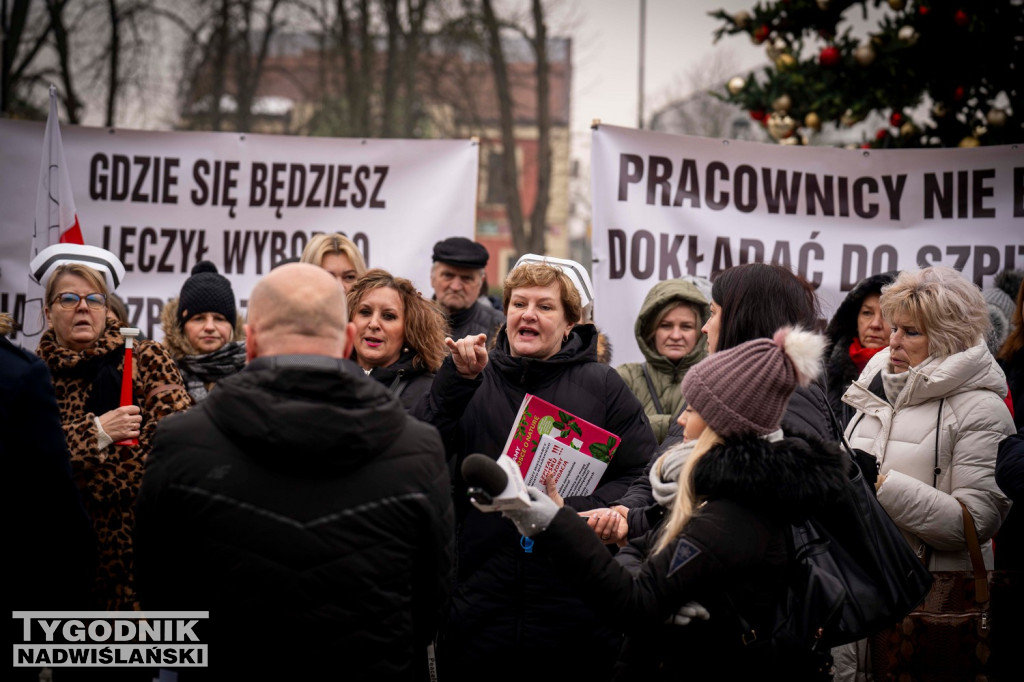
x=299 y=473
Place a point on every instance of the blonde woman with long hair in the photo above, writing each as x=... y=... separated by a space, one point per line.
x=724 y=543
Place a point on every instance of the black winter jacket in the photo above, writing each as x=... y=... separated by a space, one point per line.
x=806 y=415
x=404 y=379
x=479 y=318
x=508 y=604
x=730 y=557
x=309 y=514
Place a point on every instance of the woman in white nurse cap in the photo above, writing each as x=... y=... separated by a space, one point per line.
x=85 y=355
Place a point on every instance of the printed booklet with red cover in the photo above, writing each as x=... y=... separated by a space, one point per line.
x=547 y=439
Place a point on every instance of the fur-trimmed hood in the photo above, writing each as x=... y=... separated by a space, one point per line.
x=788 y=479
x=840 y=370
x=174 y=338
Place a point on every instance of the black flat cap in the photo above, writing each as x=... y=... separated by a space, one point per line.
x=460 y=252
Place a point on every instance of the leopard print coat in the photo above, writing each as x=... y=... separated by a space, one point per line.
x=109 y=478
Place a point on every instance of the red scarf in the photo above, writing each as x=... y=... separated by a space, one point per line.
x=860 y=355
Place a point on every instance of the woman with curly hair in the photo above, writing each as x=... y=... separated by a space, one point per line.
x=399 y=339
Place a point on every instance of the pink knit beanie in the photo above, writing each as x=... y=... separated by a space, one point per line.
x=746 y=389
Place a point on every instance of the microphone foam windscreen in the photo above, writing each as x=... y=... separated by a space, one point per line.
x=483 y=472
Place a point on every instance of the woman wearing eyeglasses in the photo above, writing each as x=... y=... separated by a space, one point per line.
x=85 y=354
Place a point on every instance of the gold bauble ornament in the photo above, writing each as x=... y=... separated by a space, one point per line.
x=782 y=103
x=813 y=121
x=735 y=85
x=823 y=4
x=898 y=5
x=980 y=130
x=864 y=54
x=780 y=125
x=907 y=34
x=908 y=129
x=969 y=141
x=785 y=62
x=996 y=118
x=939 y=110
x=742 y=18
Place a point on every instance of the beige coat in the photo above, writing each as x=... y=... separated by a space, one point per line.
x=904 y=438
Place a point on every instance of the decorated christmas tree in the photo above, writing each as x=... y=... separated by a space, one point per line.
x=942 y=73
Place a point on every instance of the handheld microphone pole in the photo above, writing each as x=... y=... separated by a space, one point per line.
x=129 y=334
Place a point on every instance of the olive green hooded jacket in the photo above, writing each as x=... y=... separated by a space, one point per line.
x=665 y=374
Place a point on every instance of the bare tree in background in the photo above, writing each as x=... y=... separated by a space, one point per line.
x=226 y=48
x=528 y=236
x=690 y=109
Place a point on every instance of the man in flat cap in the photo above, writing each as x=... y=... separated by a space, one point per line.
x=456 y=276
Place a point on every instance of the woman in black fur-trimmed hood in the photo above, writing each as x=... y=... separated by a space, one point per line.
x=856 y=332
x=203 y=331
x=724 y=544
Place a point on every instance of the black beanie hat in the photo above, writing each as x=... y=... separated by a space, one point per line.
x=206 y=291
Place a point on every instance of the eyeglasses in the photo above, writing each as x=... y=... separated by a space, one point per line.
x=70 y=300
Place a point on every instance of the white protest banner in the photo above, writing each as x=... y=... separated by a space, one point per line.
x=163 y=201
x=666 y=206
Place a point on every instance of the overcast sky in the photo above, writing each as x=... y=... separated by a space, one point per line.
x=679 y=36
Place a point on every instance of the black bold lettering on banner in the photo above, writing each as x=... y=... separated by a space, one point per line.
x=359 y=197
x=820 y=194
x=631 y=171
x=201 y=194
x=362 y=241
x=642 y=241
x=127 y=231
x=142 y=163
x=296 y=185
x=170 y=235
x=316 y=170
x=146 y=261
x=848 y=276
x=98 y=179
x=772 y=192
x=722 y=258
x=986 y=261
x=119 y=174
x=234 y=252
x=884 y=259
x=668 y=258
x=659 y=170
x=861 y=207
x=715 y=168
x=689 y=184
x=751 y=245
x=693 y=257
x=616 y=253
x=843 y=196
x=928 y=255
x=746 y=179
x=894 y=192
x=981 y=191
x=780 y=255
x=278 y=240
x=807 y=250
x=382 y=174
x=258 y=184
x=339 y=190
x=277 y=170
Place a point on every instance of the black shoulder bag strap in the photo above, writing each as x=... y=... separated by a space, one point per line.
x=654 y=394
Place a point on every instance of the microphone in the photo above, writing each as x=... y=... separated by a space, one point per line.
x=494 y=485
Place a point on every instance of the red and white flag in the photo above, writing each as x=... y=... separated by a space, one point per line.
x=56 y=218
x=56 y=221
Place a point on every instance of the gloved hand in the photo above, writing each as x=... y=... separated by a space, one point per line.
x=688 y=612
x=534 y=519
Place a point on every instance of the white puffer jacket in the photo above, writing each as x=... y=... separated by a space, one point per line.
x=904 y=438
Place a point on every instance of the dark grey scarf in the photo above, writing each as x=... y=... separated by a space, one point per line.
x=200 y=370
